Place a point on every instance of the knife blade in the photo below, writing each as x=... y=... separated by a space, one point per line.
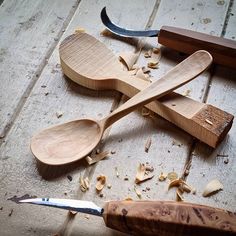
x=182 y=40
x=152 y=217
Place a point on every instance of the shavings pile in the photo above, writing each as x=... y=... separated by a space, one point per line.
x=212 y=187
x=97 y=157
x=101 y=181
x=143 y=174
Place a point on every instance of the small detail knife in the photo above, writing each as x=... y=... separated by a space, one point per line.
x=183 y=40
x=152 y=217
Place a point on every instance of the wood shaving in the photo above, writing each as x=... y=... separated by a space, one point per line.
x=141 y=175
x=80 y=30
x=209 y=122
x=153 y=64
x=117 y=173
x=212 y=187
x=97 y=157
x=179 y=196
x=101 y=181
x=138 y=192
x=128 y=58
x=156 y=50
x=172 y=176
x=176 y=143
x=162 y=176
x=187 y=92
x=145 y=70
x=128 y=199
x=59 y=114
x=109 y=186
x=155 y=58
x=142 y=76
x=106 y=33
x=145 y=112
x=84 y=184
x=177 y=183
x=148 y=53
x=148 y=144
x=113 y=152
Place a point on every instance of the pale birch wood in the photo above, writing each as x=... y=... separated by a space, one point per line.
x=29 y=31
x=218 y=164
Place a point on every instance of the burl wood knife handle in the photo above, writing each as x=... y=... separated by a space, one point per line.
x=168 y=218
x=187 y=41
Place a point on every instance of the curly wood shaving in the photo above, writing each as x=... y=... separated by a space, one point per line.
x=141 y=75
x=212 y=187
x=101 y=181
x=97 y=157
x=177 y=183
x=84 y=184
x=141 y=175
x=187 y=92
x=128 y=58
x=172 y=176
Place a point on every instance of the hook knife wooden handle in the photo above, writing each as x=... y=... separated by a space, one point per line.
x=222 y=50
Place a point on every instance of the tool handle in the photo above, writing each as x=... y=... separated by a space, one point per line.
x=168 y=218
x=187 y=41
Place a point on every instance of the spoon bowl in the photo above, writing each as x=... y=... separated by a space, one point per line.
x=66 y=142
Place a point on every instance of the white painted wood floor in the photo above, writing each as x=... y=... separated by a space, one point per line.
x=33 y=89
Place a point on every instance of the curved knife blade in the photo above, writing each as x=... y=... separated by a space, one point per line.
x=125 y=32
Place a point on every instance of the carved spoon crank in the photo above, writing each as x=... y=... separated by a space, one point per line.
x=72 y=141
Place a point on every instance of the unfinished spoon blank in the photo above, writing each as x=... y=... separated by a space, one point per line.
x=71 y=141
x=90 y=63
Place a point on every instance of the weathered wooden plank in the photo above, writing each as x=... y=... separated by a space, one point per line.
x=128 y=137
x=53 y=93
x=29 y=32
x=208 y=164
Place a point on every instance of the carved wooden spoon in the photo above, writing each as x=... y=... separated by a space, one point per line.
x=71 y=141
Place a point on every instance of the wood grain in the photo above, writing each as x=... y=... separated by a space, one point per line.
x=168 y=218
x=89 y=63
x=222 y=50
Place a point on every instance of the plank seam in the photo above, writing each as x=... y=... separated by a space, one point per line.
x=37 y=74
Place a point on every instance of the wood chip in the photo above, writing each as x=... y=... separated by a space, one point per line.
x=145 y=112
x=172 y=176
x=177 y=183
x=128 y=58
x=139 y=74
x=148 y=144
x=186 y=92
x=141 y=175
x=101 y=181
x=148 y=53
x=84 y=184
x=209 y=122
x=59 y=114
x=97 y=157
x=106 y=33
x=162 y=176
x=179 y=196
x=109 y=186
x=153 y=64
x=80 y=30
x=117 y=173
x=212 y=187
x=128 y=199
x=138 y=192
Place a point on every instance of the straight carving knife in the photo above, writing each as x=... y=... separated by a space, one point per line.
x=152 y=217
x=183 y=40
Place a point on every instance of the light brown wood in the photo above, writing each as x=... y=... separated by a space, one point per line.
x=222 y=50
x=71 y=141
x=90 y=63
x=168 y=218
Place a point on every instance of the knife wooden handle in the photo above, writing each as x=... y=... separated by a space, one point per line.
x=187 y=41
x=168 y=218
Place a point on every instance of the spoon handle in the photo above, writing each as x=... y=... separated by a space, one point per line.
x=178 y=76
